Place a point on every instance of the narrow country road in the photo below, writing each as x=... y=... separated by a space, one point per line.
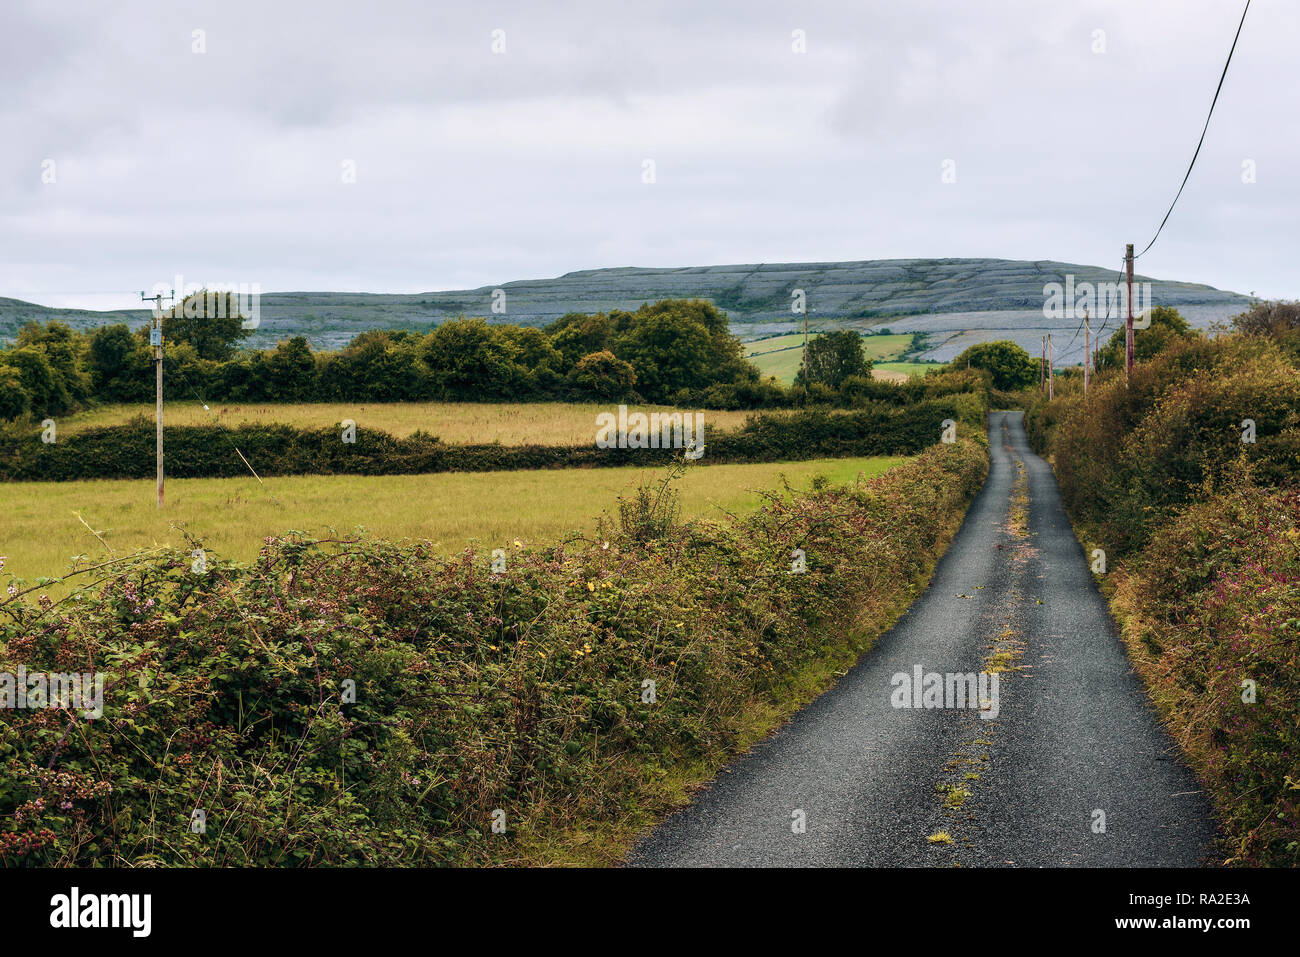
x=1075 y=769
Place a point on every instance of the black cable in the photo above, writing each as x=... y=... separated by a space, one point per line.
x=1099 y=331
x=1199 y=143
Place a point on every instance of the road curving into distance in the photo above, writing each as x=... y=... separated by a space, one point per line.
x=1074 y=770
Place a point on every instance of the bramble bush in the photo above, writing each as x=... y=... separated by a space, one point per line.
x=1134 y=454
x=1206 y=528
x=524 y=692
x=1214 y=601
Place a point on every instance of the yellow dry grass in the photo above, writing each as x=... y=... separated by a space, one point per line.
x=40 y=530
x=460 y=423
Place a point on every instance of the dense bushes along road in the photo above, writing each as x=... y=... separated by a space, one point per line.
x=566 y=700
x=1201 y=527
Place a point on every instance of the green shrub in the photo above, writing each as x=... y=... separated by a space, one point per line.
x=15 y=401
x=1206 y=531
x=522 y=697
x=1214 y=601
x=1009 y=366
x=1198 y=390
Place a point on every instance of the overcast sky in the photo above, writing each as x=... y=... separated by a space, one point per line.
x=475 y=167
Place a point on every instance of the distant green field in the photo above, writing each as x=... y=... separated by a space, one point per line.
x=910 y=368
x=778 y=357
x=781 y=356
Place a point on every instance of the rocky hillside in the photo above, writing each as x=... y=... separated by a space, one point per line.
x=957 y=301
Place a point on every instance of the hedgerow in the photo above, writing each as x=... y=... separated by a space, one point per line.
x=1213 y=618
x=127 y=451
x=560 y=690
x=1186 y=476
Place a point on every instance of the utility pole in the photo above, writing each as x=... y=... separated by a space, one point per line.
x=1051 y=358
x=155 y=340
x=1087 y=350
x=1042 y=365
x=805 y=346
x=1128 y=325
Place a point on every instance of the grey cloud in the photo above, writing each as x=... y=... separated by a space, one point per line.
x=475 y=168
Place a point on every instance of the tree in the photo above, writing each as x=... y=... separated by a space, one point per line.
x=1167 y=326
x=14 y=399
x=293 y=371
x=65 y=349
x=669 y=352
x=540 y=363
x=209 y=321
x=576 y=334
x=379 y=365
x=832 y=357
x=121 y=369
x=470 y=360
x=602 y=376
x=1010 y=366
x=1279 y=321
x=1266 y=318
x=676 y=345
x=40 y=380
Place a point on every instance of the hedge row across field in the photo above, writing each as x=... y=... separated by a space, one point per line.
x=362 y=702
x=127 y=451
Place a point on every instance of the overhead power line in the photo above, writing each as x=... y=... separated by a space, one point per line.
x=1206 y=127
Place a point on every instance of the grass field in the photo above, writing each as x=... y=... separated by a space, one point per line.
x=41 y=531
x=909 y=368
x=510 y=423
x=781 y=356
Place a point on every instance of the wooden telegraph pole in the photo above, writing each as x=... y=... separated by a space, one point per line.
x=1042 y=365
x=805 y=345
x=155 y=340
x=1051 y=358
x=1128 y=325
x=1087 y=350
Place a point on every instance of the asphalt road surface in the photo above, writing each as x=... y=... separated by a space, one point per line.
x=1075 y=769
